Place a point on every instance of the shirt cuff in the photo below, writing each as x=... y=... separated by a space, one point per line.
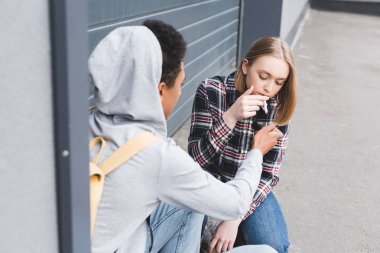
x=221 y=132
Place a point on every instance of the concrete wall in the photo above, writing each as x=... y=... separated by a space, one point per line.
x=28 y=219
x=292 y=14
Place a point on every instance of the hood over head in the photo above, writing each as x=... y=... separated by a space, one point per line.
x=125 y=68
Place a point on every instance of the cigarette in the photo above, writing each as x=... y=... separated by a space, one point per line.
x=265 y=107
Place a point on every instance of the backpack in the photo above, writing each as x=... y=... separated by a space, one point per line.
x=117 y=158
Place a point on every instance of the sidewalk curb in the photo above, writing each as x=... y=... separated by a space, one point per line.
x=359 y=7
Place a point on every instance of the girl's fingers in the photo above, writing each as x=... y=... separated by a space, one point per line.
x=254 y=102
x=248 y=91
x=225 y=246
x=252 y=108
x=257 y=97
x=212 y=244
x=219 y=246
x=249 y=114
x=230 y=245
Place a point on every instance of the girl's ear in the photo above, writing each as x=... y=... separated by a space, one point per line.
x=244 y=66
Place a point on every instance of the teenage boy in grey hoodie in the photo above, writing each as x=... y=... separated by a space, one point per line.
x=126 y=70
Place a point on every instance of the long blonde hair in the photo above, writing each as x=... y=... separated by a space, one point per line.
x=287 y=96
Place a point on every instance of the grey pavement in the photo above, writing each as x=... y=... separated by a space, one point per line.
x=330 y=181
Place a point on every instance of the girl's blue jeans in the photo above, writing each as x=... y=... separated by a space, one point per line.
x=265 y=226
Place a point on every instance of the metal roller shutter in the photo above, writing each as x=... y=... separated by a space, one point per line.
x=210 y=29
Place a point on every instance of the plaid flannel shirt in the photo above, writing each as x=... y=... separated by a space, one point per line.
x=219 y=149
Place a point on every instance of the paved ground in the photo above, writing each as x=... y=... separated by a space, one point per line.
x=330 y=180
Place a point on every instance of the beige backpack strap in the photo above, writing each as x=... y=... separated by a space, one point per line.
x=96 y=179
x=93 y=143
x=117 y=158
x=126 y=151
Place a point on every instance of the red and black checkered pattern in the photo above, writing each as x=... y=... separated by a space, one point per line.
x=219 y=149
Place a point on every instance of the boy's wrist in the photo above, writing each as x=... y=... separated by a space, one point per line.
x=258 y=150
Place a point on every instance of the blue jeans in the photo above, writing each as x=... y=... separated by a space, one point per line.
x=265 y=226
x=174 y=230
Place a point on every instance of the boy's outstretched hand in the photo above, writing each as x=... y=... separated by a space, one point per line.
x=265 y=139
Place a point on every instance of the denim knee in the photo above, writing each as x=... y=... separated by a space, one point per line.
x=280 y=246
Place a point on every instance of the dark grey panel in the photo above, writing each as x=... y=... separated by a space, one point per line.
x=260 y=18
x=180 y=18
x=69 y=61
x=106 y=11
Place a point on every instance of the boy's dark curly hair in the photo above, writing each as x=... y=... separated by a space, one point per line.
x=173 y=48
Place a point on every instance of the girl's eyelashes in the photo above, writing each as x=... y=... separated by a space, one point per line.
x=262 y=77
x=265 y=77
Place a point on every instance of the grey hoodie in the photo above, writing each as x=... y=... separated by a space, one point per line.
x=126 y=68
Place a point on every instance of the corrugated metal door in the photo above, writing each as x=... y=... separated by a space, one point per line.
x=210 y=29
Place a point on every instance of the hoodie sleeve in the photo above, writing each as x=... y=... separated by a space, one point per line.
x=183 y=183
